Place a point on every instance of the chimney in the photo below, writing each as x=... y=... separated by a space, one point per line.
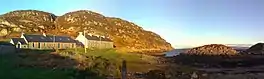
x=80 y=33
x=22 y=33
x=90 y=34
x=44 y=34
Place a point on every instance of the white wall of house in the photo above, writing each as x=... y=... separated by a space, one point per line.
x=81 y=38
x=22 y=36
x=12 y=42
x=18 y=45
x=93 y=43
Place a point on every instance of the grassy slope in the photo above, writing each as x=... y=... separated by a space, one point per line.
x=4 y=39
x=135 y=62
x=10 y=70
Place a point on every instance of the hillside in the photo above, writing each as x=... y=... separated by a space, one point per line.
x=126 y=35
x=212 y=49
x=26 y=21
x=256 y=49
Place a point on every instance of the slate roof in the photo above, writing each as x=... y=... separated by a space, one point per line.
x=105 y=39
x=21 y=40
x=97 y=38
x=78 y=43
x=48 y=38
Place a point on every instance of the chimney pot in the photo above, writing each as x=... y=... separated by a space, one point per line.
x=80 y=33
x=90 y=34
x=44 y=34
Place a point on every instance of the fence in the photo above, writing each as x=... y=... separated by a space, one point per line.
x=124 y=70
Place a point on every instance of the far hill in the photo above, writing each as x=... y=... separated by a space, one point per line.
x=127 y=36
x=239 y=46
x=212 y=49
x=256 y=49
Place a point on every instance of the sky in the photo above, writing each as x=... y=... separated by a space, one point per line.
x=183 y=23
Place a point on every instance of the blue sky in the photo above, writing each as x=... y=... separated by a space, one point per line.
x=183 y=23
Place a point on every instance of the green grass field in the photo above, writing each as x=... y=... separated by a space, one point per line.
x=46 y=64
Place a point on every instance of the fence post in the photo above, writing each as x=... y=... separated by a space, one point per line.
x=124 y=70
x=1 y=49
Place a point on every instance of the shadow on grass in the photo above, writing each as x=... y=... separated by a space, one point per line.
x=42 y=64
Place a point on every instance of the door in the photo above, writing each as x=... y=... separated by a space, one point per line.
x=39 y=45
x=19 y=45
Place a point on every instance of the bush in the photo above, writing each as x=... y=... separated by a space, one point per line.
x=103 y=62
x=85 y=74
x=156 y=74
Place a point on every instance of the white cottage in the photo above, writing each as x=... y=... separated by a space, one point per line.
x=94 y=41
x=38 y=41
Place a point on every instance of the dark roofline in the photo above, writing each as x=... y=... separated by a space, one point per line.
x=16 y=40
x=48 y=38
x=97 y=38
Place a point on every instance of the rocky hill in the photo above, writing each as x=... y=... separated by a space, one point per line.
x=256 y=49
x=26 y=21
x=212 y=49
x=126 y=35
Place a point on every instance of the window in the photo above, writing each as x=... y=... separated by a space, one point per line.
x=39 y=45
x=58 y=45
x=44 y=45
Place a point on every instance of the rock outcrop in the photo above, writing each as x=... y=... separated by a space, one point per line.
x=256 y=49
x=212 y=49
x=126 y=35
